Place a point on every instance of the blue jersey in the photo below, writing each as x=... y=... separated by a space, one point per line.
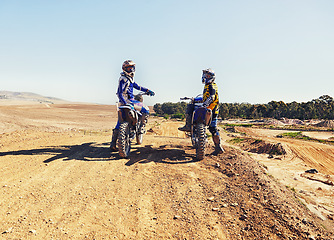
x=125 y=88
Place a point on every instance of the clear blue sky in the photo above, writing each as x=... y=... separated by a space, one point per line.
x=261 y=50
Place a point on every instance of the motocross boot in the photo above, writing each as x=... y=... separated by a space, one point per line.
x=218 y=148
x=113 y=146
x=187 y=127
x=144 y=120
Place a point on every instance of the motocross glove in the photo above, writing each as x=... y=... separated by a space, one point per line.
x=150 y=93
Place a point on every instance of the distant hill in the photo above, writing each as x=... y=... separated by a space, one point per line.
x=7 y=97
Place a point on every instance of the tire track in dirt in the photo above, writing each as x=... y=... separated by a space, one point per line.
x=319 y=157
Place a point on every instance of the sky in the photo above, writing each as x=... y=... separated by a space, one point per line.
x=261 y=50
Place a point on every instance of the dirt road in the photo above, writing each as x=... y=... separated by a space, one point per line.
x=58 y=180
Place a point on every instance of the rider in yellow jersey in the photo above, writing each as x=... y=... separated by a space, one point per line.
x=211 y=101
x=210 y=95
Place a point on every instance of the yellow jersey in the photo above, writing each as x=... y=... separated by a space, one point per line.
x=210 y=94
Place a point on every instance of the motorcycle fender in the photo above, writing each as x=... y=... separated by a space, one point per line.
x=128 y=115
x=133 y=117
x=199 y=115
x=202 y=115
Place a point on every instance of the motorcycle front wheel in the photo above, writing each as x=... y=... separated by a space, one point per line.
x=124 y=142
x=201 y=141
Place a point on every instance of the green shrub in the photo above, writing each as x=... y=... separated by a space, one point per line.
x=178 y=115
x=237 y=140
x=297 y=135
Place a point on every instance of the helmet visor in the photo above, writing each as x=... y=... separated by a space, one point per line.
x=130 y=69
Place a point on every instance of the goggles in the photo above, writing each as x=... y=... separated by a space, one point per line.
x=207 y=75
x=130 y=69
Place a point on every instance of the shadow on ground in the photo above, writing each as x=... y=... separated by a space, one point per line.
x=85 y=152
x=164 y=154
x=93 y=151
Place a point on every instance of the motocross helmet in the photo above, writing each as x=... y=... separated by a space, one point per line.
x=129 y=68
x=208 y=76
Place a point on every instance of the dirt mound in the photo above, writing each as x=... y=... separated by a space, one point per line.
x=260 y=146
x=269 y=148
x=288 y=121
x=326 y=123
x=274 y=122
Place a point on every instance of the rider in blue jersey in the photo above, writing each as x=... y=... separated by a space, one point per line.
x=126 y=97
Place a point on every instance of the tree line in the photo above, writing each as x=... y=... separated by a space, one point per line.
x=320 y=108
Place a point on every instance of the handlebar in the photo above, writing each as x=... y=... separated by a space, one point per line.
x=143 y=93
x=186 y=98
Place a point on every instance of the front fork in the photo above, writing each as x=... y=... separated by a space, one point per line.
x=137 y=128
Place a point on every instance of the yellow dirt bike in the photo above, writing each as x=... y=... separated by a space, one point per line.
x=201 y=118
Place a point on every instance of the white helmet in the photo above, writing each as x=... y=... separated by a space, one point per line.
x=129 y=67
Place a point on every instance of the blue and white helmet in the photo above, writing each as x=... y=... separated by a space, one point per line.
x=208 y=76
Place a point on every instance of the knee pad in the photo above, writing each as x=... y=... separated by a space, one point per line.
x=214 y=131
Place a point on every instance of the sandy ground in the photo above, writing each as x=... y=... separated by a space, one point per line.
x=301 y=156
x=58 y=180
x=320 y=135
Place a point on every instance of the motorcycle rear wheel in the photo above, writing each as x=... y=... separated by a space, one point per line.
x=124 y=142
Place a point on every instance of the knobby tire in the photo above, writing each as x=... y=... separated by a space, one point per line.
x=124 y=143
x=201 y=141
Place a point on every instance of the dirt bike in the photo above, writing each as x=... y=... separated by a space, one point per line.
x=131 y=127
x=201 y=118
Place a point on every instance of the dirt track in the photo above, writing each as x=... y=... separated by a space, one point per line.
x=315 y=155
x=58 y=180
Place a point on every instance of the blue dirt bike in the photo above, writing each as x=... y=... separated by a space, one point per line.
x=201 y=118
x=132 y=125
